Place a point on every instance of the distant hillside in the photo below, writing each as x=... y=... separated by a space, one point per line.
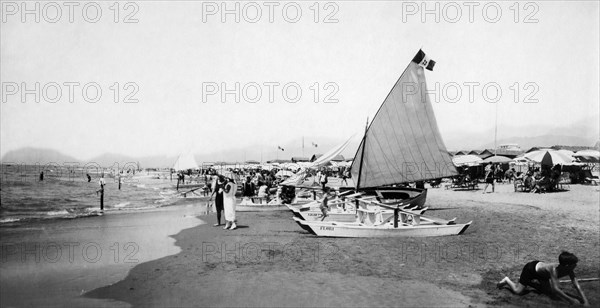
x=581 y=133
x=112 y=160
x=32 y=156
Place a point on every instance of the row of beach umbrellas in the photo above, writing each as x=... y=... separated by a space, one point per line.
x=543 y=156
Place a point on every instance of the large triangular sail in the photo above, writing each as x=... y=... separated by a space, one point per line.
x=403 y=143
x=331 y=154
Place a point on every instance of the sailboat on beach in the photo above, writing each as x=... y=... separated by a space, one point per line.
x=401 y=145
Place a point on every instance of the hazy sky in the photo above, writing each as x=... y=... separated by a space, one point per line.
x=179 y=57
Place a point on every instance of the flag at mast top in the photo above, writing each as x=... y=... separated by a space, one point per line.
x=423 y=60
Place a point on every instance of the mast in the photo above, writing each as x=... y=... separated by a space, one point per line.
x=362 y=155
x=496 y=132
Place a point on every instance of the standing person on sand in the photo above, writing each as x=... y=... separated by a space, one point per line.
x=229 y=204
x=217 y=189
x=317 y=178
x=489 y=178
x=249 y=188
x=324 y=179
x=346 y=175
x=547 y=275
x=324 y=206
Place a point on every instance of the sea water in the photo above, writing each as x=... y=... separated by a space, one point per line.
x=66 y=193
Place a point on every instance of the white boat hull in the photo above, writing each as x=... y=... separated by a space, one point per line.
x=313 y=214
x=259 y=205
x=338 y=229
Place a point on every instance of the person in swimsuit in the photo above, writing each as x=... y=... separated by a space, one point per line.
x=547 y=275
x=324 y=206
x=489 y=178
x=217 y=189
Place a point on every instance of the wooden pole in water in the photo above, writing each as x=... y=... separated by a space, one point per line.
x=102 y=183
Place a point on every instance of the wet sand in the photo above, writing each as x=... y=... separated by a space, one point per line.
x=270 y=261
x=52 y=263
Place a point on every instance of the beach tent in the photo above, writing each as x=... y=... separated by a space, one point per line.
x=466 y=160
x=185 y=162
x=549 y=157
x=497 y=159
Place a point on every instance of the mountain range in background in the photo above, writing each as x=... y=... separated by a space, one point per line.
x=582 y=134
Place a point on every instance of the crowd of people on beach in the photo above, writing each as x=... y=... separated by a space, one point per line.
x=535 y=179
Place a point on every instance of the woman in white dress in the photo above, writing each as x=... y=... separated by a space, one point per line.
x=229 y=204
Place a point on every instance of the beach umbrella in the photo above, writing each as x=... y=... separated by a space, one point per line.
x=291 y=166
x=549 y=157
x=466 y=160
x=566 y=152
x=267 y=167
x=497 y=159
x=591 y=156
x=284 y=173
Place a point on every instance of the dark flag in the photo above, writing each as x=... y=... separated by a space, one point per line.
x=423 y=60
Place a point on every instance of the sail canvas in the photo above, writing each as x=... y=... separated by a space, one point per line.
x=403 y=143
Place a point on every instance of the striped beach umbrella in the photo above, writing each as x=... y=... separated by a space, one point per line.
x=549 y=157
x=591 y=156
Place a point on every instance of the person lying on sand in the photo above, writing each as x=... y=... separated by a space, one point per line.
x=547 y=275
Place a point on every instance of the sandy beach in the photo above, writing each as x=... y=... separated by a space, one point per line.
x=270 y=261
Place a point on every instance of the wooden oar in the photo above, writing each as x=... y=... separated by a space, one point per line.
x=189 y=191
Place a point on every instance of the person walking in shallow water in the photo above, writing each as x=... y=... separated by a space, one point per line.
x=489 y=178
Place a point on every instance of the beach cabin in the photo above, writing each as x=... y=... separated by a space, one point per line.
x=510 y=150
x=483 y=154
x=300 y=159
